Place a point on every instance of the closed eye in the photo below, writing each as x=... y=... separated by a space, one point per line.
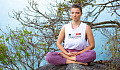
x=72 y=12
x=77 y=12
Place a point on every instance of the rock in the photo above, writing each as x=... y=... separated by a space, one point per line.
x=113 y=64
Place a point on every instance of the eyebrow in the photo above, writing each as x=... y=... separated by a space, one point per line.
x=75 y=12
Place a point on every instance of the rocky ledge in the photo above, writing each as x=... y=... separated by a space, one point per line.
x=113 y=64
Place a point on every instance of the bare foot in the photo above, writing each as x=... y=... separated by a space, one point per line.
x=71 y=59
x=69 y=62
x=86 y=64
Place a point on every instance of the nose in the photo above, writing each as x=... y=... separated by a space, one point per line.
x=74 y=14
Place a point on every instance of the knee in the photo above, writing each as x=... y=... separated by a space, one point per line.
x=49 y=57
x=92 y=54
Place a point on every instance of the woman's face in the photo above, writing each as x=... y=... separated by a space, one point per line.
x=76 y=14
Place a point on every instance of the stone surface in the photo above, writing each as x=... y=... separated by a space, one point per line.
x=113 y=64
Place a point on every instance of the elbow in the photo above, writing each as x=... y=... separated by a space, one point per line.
x=57 y=43
x=93 y=47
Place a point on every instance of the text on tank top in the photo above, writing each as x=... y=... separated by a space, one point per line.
x=75 y=38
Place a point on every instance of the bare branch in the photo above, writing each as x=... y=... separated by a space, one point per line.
x=108 y=22
x=105 y=26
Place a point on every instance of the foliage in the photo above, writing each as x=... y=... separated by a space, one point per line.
x=27 y=47
x=94 y=10
x=3 y=51
x=91 y=11
x=112 y=44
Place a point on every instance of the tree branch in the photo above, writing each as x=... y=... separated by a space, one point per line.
x=106 y=26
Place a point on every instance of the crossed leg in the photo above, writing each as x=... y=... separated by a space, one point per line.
x=71 y=59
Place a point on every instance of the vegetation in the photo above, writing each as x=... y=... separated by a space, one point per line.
x=25 y=48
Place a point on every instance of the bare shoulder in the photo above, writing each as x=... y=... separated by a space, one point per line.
x=88 y=27
x=62 y=31
x=63 y=28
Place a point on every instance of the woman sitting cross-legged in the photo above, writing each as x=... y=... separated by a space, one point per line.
x=77 y=35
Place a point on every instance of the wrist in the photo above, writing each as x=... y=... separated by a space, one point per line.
x=79 y=52
x=65 y=53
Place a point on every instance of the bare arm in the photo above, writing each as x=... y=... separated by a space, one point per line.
x=90 y=40
x=60 y=39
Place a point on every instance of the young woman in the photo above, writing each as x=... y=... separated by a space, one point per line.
x=76 y=48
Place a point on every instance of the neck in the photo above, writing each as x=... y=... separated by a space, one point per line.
x=76 y=23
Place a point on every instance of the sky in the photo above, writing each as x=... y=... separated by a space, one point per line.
x=7 y=6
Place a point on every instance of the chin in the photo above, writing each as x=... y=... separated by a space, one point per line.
x=76 y=20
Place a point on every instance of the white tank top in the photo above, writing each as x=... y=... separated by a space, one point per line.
x=75 y=38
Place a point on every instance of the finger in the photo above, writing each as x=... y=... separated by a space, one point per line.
x=69 y=51
x=72 y=52
x=58 y=52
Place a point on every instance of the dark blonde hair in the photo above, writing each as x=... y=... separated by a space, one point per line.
x=77 y=6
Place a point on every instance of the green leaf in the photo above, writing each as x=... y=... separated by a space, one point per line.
x=45 y=49
x=57 y=13
x=27 y=54
x=0 y=40
x=101 y=52
x=23 y=25
x=92 y=5
x=15 y=45
x=41 y=43
x=2 y=36
x=22 y=41
x=18 y=53
x=39 y=50
x=20 y=47
x=14 y=35
x=44 y=43
x=7 y=39
x=24 y=47
x=25 y=31
x=46 y=25
x=1 y=68
x=36 y=35
x=20 y=37
x=94 y=1
x=30 y=32
x=21 y=33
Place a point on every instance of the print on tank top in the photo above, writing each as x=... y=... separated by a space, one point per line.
x=78 y=35
x=75 y=38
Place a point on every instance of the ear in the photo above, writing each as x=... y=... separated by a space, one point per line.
x=81 y=13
